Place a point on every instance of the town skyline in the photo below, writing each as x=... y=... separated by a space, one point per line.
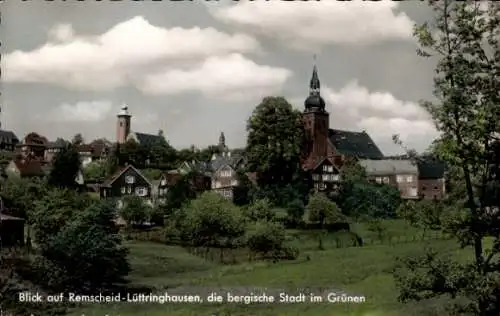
x=371 y=81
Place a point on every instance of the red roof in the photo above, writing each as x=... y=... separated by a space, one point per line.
x=28 y=167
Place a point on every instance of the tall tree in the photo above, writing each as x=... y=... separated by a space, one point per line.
x=465 y=38
x=274 y=144
x=65 y=168
x=77 y=139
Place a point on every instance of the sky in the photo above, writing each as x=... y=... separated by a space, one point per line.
x=196 y=69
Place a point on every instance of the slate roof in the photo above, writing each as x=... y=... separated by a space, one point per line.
x=148 y=139
x=358 y=144
x=431 y=169
x=8 y=137
x=388 y=167
x=217 y=162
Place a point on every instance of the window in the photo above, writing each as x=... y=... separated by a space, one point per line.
x=335 y=177
x=412 y=192
x=325 y=168
x=399 y=178
x=124 y=189
x=315 y=177
x=378 y=179
x=141 y=191
x=330 y=168
x=129 y=190
x=423 y=188
x=326 y=177
x=129 y=179
x=226 y=193
x=225 y=173
x=163 y=182
x=322 y=186
x=409 y=178
x=386 y=180
x=234 y=183
x=121 y=124
x=436 y=188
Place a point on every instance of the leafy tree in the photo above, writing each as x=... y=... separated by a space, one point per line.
x=321 y=210
x=77 y=139
x=65 y=168
x=53 y=210
x=266 y=237
x=135 y=210
x=260 y=210
x=464 y=38
x=212 y=221
x=95 y=171
x=152 y=174
x=296 y=210
x=20 y=196
x=86 y=254
x=274 y=144
x=377 y=226
x=182 y=191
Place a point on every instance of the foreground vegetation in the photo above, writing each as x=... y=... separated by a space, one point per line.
x=364 y=271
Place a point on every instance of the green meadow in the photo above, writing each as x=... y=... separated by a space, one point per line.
x=364 y=271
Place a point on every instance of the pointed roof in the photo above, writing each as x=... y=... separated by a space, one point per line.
x=315 y=102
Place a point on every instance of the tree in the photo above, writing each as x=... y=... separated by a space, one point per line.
x=86 y=254
x=321 y=210
x=65 y=168
x=274 y=144
x=77 y=139
x=266 y=237
x=182 y=191
x=212 y=221
x=95 y=171
x=135 y=210
x=464 y=38
x=295 y=210
x=260 y=210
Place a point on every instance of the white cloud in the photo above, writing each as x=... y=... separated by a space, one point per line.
x=309 y=24
x=118 y=56
x=83 y=111
x=229 y=77
x=381 y=114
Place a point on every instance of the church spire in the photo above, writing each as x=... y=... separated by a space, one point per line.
x=314 y=85
x=222 y=141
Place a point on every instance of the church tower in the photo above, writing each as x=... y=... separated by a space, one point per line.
x=123 y=125
x=316 y=124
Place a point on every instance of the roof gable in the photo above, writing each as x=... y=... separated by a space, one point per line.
x=358 y=144
x=119 y=173
x=324 y=162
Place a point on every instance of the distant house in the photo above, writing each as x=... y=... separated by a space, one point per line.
x=225 y=178
x=53 y=148
x=402 y=174
x=8 y=140
x=126 y=182
x=431 y=179
x=26 y=167
x=325 y=176
x=33 y=145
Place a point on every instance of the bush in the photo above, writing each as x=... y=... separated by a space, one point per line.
x=266 y=237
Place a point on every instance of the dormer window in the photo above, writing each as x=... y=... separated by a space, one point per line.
x=129 y=179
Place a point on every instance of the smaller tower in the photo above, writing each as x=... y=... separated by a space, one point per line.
x=123 y=125
x=222 y=141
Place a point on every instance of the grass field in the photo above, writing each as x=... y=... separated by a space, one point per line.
x=359 y=270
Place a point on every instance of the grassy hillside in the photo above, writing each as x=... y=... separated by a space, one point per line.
x=363 y=271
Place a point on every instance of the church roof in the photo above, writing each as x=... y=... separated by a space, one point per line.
x=388 y=166
x=148 y=139
x=358 y=144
